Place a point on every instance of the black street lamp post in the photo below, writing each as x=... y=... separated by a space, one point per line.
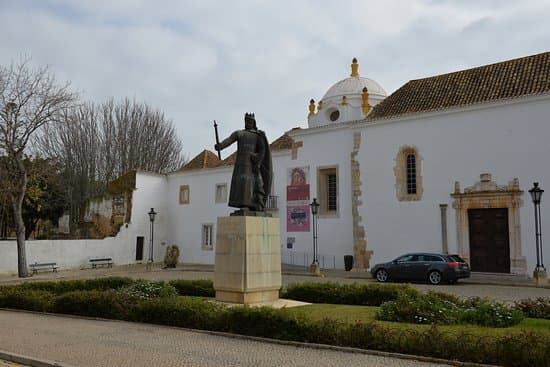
x=314 y=268
x=540 y=272
x=152 y=215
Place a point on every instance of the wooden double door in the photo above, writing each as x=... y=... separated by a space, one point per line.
x=489 y=240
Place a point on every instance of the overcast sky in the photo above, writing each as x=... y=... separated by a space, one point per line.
x=203 y=60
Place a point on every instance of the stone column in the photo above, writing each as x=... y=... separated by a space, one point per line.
x=444 y=241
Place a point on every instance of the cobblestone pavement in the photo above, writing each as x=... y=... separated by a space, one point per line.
x=82 y=342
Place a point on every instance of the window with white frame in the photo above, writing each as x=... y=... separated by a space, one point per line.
x=221 y=193
x=207 y=240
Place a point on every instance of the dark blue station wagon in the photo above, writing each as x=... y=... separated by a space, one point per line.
x=435 y=268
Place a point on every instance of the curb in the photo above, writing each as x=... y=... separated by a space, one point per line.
x=45 y=363
x=29 y=361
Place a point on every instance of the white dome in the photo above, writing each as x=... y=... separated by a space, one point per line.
x=353 y=86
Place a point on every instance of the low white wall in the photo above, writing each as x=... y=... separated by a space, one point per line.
x=68 y=253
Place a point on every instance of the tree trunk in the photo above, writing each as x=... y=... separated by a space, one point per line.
x=19 y=224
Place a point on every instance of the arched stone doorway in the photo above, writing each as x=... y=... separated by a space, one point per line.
x=488 y=226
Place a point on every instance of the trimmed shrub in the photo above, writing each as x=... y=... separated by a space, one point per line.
x=441 y=309
x=65 y=286
x=491 y=314
x=197 y=288
x=420 y=309
x=106 y=304
x=538 y=308
x=180 y=311
x=31 y=300
x=350 y=294
x=262 y=321
x=143 y=289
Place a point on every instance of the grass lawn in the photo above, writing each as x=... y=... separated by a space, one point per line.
x=368 y=314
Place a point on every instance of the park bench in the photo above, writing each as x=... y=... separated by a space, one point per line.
x=40 y=266
x=107 y=261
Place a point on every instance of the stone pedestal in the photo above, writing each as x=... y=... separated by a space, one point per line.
x=315 y=269
x=540 y=276
x=248 y=260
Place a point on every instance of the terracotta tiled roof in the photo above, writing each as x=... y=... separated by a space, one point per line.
x=284 y=142
x=513 y=78
x=229 y=161
x=205 y=159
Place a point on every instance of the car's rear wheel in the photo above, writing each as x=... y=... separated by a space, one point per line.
x=434 y=277
x=382 y=275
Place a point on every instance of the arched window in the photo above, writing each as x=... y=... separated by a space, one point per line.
x=408 y=174
x=411 y=173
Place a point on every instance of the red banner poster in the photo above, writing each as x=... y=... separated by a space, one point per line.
x=297 y=218
x=297 y=192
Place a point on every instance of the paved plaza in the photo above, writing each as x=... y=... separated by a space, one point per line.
x=84 y=342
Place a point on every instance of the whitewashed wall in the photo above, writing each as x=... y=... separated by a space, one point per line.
x=507 y=140
x=150 y=192
x=186 y=220
x=324 y=147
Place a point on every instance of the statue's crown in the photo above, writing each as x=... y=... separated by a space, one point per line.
x=249 y=116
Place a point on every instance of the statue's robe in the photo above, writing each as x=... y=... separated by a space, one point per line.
x=252 y=174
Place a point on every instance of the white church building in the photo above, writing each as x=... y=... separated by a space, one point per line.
x=443 y=164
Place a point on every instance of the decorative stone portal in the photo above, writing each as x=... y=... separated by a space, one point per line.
x=486 y=194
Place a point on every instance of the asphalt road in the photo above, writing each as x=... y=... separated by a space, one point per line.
x=83 y=342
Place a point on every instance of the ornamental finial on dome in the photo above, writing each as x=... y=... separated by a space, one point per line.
x=365 y=106
x=311 y=108
x=354 y=67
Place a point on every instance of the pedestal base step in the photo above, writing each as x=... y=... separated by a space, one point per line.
x=246 y=298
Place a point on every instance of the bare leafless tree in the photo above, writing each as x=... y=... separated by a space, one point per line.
x=97 y=143
x=29 y=99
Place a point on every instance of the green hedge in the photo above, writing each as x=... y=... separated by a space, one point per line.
x=105 y=304
x=22 y=299
x=348 y=294
x=198 y=288
x=64 y=286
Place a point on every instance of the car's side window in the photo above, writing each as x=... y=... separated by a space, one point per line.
x=422 y=258
x=405 y=258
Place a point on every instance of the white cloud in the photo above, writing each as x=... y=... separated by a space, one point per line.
x=205 y=60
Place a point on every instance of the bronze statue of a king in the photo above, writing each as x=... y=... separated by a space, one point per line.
x=252 y=174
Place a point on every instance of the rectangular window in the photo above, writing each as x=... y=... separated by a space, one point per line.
x=184 y=194
x=207 y=241
x=221 y=193
x=411 y=174
x=331 y=192
x=327 y=191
